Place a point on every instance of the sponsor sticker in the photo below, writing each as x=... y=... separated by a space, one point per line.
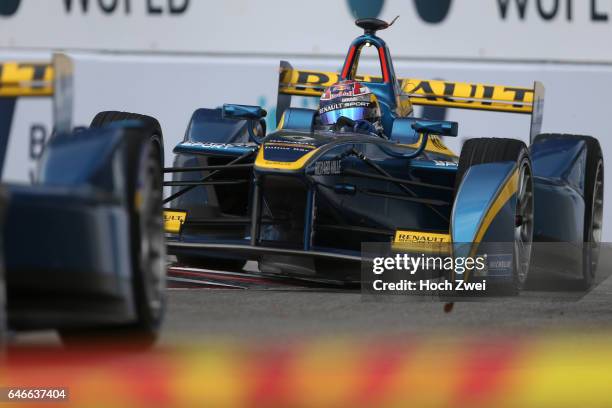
x=174 y=220
x=420 y=241
x=328 y=167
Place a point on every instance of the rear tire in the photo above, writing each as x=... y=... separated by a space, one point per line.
x=593 y=202
x=493 y=150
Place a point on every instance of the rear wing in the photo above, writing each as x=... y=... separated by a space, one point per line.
x=460 y=95
x=42 y=79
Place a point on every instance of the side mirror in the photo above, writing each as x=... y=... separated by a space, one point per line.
x=436 y=127
x=243 y=112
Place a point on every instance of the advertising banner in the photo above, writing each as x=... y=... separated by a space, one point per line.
x=536 y=30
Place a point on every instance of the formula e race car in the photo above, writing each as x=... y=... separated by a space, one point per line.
x=84 y=248
x=302 y=199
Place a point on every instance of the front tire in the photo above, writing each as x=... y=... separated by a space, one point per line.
x=143 y=164
x=493 y=150
x=148 y=246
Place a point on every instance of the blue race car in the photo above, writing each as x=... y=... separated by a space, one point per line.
x=302 y=199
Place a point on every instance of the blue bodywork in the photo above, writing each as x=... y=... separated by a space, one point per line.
x=559 y=171
x=67 y=251
x=478 y=190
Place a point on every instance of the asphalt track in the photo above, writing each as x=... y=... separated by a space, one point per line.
x=292 y=313
x=240 y=306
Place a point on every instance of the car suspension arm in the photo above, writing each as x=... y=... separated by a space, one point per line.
x=208 y=168
x=351 y=172
x=203 y=179
x=382 y=171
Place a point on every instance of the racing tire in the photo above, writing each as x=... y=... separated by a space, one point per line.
x=144 y=190
x=593 y=202
x=106 y=118
x=492 y=150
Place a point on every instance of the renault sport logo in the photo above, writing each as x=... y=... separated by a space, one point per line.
x=9 y=7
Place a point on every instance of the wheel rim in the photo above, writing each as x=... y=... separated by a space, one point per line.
x=596 y=219
x=523 y=228
x=152 y=245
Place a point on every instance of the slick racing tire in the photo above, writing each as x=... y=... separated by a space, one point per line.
x=492 y=150
x=593 y=203
x=154 y=128
x=144 y=189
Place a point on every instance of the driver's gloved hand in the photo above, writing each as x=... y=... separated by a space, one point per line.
x=363 y=126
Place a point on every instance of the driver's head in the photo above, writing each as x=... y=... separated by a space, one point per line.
x=350 y=99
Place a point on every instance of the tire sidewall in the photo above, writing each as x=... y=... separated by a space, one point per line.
x=139 y=151
x=524 y=158
x=594 y=165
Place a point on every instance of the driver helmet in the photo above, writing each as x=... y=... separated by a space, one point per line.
x=351 y=99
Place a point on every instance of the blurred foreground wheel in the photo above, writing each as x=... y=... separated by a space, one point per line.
x=144 y=189
x=148 y=245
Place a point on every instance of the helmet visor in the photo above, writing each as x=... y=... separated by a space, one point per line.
x=331 y=117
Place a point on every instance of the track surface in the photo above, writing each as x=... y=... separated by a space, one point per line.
x=290 y=312
x=255 y=309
